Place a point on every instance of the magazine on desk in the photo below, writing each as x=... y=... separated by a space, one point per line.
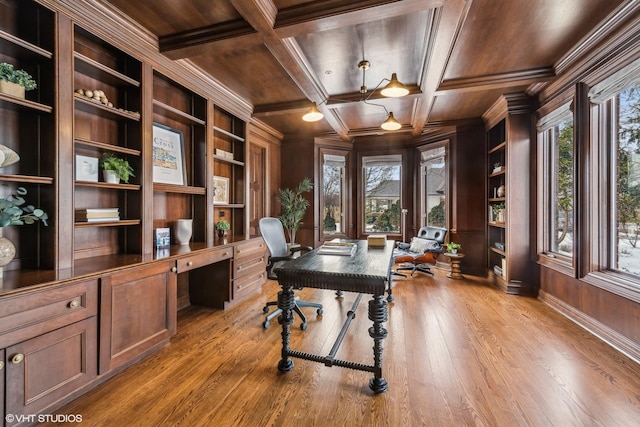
x=338 y=248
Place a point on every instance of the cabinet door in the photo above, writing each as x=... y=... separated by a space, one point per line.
x=43 y=370
x=138 y=313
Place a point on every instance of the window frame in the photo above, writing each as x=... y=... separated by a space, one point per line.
x=362 y=190
x=423 y=182
x=345 y=194
x=546 y=142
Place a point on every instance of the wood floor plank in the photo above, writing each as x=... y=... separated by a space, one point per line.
x=458 y=353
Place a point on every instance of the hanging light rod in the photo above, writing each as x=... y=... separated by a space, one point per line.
x=393 y=89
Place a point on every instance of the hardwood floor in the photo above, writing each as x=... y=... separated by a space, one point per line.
x=458 y=353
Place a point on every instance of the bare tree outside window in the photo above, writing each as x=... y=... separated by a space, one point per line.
x=381 y=182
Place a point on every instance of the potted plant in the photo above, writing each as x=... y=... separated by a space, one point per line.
x=293 y=207
x=498 y=212
x=14 y=211
x=452 y=247
x=223 y=228
x=15 y=82
x=116 y=169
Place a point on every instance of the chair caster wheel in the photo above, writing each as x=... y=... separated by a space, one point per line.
x=303 y=326
x=319 y=311
x=266 y=324
x=265 y=309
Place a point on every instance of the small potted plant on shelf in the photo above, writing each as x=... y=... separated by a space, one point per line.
x=452 y=247
x=15 y=82
x=14 y=211
x=223 y=228
x=116 y=169
x=498 y=212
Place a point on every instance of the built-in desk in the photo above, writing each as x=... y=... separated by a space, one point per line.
x=366 y=271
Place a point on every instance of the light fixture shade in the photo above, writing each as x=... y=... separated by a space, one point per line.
x=394 y=89
x=313 y=115
x=391 y=123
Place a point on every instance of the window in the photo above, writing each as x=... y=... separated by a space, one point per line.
x=617 y=109
x=381 y=184
x=558 y=182
x=625 y=241
x=333 y=194
x=433 y=164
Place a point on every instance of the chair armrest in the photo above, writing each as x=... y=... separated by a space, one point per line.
x=300 y=248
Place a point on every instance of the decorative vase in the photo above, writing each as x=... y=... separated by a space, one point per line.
x=13 y=89
x=502 y=191
x=183 y=231
x=7 y=251
x=222 y=233
x=110 y=176
x=7 y=156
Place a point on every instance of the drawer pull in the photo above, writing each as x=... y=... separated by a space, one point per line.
x=17 y=358
x=225 y=254
x=189 y=263
x=174 y=269
x=73 y=304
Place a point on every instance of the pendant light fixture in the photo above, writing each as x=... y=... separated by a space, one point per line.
x=393 y=89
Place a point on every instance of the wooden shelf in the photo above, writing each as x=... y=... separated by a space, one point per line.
x=229 y=134
x=18 y=47
x=107 y=147
x=27 y=179
x=226 y=160
x=498 y=251
x=120 y=223
x=94 y=107
x=497 y=224
x=108 y=185
x=497 y=199
x=502 y=172
x=229 y=206
x=498 y=147
x=184 y=189
x=14 y=103
x=175 y=114
x=89 y=67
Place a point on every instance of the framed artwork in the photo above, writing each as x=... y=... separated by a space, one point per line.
x=86 y=168
x=220 y=190
x=168 y=156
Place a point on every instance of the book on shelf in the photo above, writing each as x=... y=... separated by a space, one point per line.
x=338 y=248
x=97 y=214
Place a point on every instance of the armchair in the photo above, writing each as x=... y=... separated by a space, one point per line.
x=272 y=233
x=421 y=252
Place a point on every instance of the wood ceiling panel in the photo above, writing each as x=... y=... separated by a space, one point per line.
x=465 y=105
x=504 y=36
x=164 y=17
x=390 y=45
x=249 y=70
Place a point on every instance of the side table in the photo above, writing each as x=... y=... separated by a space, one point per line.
x=455 y=265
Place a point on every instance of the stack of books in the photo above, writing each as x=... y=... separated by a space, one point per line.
x=338 y=248
x=97 y=215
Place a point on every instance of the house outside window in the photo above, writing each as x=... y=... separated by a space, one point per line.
x=333 y=194
x=433 y=164
x=381 y=184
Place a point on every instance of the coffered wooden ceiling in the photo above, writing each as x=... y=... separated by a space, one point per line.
x=456 y=56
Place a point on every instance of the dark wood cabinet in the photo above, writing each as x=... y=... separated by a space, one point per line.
x=509 y=197
x=137 y=312
x=249 y=267
x=46 y=369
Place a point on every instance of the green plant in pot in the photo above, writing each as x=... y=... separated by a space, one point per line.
x=15 y=211
x=223 y=228
x=293 y=207
x=116 y=168
x=15 y=82
x=453 y=247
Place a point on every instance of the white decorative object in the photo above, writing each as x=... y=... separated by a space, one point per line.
x=7 y=251
x=86 y=168
x=110 y=176
x=183 y=231
x=7 y=156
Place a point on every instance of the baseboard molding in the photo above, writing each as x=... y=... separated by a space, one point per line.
x=619 y=342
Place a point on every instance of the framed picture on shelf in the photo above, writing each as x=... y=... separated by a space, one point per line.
x=86 y=168
x=220 y=190
x=168 y=156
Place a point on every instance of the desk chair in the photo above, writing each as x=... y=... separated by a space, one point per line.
x=421 y=252
x=273 y=234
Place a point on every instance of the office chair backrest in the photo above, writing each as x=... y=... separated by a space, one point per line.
x=273 y=234
x=433 y=233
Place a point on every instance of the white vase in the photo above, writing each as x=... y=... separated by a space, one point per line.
x=7 y=251
x=183 y=231
x=110 y=176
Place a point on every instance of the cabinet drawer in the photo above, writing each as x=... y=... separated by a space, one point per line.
x=249 y=282
x=251 y=249
x=246 y=266
x=28 y=315
x=204 y=258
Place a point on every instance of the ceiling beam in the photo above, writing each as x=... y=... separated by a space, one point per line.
x=493 y=81
x=180 y=45
x=330 y=14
